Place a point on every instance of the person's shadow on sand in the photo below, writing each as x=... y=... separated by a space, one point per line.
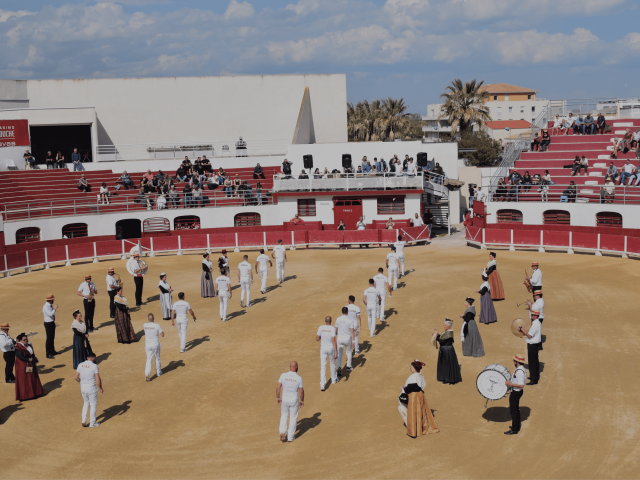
x=307 y=424
x=111 y=412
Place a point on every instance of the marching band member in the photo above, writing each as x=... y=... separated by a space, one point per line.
x=517 y=390
x=124 y=328
x=138 y=279
x=49 y=312
x=497 y=290
x=416 y=413
x=538 y=304
x=536 y=277
x=487 y=310
x=470 y=335
x=165 y=296
x=448 y=366
x=85 y=290
x=8 y=347
x=206 y=281
x=112 y=289
x=534 y=345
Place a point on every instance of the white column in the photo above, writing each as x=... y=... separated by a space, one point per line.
x=46 y=259
x=124 y=253
x=152 y=253
x=264 y=241
x=179 y=246
x=293 y=245
x=28 y=269
x=208 y=244
x=541 y=248
x=6 y=270
x=570 y=250
x=484 y=245
x=598 y=252
x=624 y=255
x=95 y=253
x=511 y=247
x=66 y=248
x=237 y=249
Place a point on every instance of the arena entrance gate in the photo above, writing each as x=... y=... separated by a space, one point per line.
x=349 y=210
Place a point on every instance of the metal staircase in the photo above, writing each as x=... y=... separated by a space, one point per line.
x=436 y=198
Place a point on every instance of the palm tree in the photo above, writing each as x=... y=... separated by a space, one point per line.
x=361 y=120
x=393 y=121
x=383 y=120
x=464 y=105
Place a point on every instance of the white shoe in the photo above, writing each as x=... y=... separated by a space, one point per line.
x=181 y=351
x=158 y=374
x=373 y=334
x=147 y=378
x=94 y=425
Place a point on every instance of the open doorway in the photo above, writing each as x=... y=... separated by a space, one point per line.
x=128 y=228
x=63 y=138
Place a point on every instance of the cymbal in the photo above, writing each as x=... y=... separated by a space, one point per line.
x=518 y=322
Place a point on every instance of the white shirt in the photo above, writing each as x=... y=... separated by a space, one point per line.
x=411 y=167
x=480 y=196
x=538 y=306
x=245 y=269
x=279 y=251
x=344 y=326
x=628 y=168
x=416 y=378
x=361 y=226
x=84 y=288
x=6 y=343
x=181 y=307
x=263 y=260
x=87 y=371
x=354 y=311
x=535 y=331
x=519 y=377
x=49 y=313
x=291 y=382
x=393 y=261
x=570 y=121
x=380 y=280
x=417 y=222
x=104 y=189
x=326 y=333
x=111 y=281
x=399 y=247
x=536 y=278
x=372 y=294
x=152 y=333
x=223 y=285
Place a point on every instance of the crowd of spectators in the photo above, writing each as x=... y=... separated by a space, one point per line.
x=54 y=161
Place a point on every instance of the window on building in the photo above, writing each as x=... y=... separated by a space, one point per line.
x=247 y=220
x=75 y=230
x=506 y=98
x=186 y=222
x=391 y=206
x=509 y=216
x=533 y=109
x=499 y=113
x=528 y=97
x=433 y=113
x=556 y=217
x=307 y=207
x=608 y=219
x=510 y=109
x=28 y=234
x=156 y=224
x=495 y=97
x=521 y=108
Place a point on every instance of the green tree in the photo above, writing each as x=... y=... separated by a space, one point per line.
x=488 y=151
x=393 y=121
x=464 y=105
x=385 y=120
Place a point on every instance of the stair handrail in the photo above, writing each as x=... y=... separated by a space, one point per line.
x=511 y=154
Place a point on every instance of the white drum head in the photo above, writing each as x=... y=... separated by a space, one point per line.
x=491 y=382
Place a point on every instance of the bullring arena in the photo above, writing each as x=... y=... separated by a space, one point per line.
x=213 y=413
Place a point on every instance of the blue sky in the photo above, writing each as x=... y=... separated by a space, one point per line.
x=398 y=48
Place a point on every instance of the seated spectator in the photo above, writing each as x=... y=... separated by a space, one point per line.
x=627 y=171
x=161 y=176
x=221 y=172
x=247 y=191
x=609 y=191
x=143 y=198
x=213 y=181
x=228 y=187
x=589 y=125
x=258 y=172
x=626 y=141
x=349 y=170
x=29 y=160
x=104 y=194
x=60 y=163
x=635 y=176
x=316 y=174
x=181 y=174
x=126 y=181
x=155 y=183
x=617 y=147
x=161 y=202
x=206 y=164
x=515 y=177
x=535 y=145
x=303 y=176
x=366 y=168
x=186 y=191
x=197 y=166
x=557 y=126
x=612 y=172
x=545 y=140
x=83 y=185
x=196 y=196
x=236 y=184
x=174 y=197
x=513 y=192
x=570 y=123
x=162 y=183
x=584 y=163
x=163 y=189
x=76 y=158
x=501 y=191
x=636 y=138
x=148 y=175
x=572 y=192
x=296 y=220
x=575 y=166
x=186 y=162
x=579 y=125
x=259 y=193
x=601 y=124
x=527 y=181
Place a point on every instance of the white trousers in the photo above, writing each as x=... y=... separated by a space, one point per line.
x=344 y=343
x=401 y=258
x=245 y=286
x=279 y=271
x=324 y=353
x=356 y=345
x=182 y=333
x=263 y=277
x=224 y=304
x=151 y=351
x=289 y=411
x=393 y=274
x=382 y=301
x=90 y=397
x=371 y=318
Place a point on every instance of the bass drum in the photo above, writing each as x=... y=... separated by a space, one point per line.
x=491 y=382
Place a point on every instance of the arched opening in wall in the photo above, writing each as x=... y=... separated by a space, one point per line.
x=608 y=219
x=509 y=216
x=186 y=222
x=556 y=217
x=75 y=230
x=156 y=225
x=28 y=234
x=128 y=228
x=248 y=219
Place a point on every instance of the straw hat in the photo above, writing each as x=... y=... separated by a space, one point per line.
x=110 y=270
x=50 y=296
x=534 y=264
x=537 y=292
x=535 y=312
x=87 y=277
x=4 y=326
x=519 y=358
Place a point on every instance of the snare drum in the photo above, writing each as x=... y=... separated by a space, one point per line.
x=491 y=382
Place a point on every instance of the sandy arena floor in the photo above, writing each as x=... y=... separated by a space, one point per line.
x=214 y=415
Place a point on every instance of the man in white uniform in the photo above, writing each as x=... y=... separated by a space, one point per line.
x=356 y=319
x=533 y=336
x=537 y=305
x=49 y=313
x=326 y=335
x=245 y=279
x=370 y=299
x=112 y=289
x=536 y=277
x=290 y=397
x=179 y=312
x=152 y=334
x=400 y=253
x=261 y=262
x=280 y=255
x=393 y=267
x=90 y=382
x=382 y=286
x=517 y=390
x=345 y=339
x=222 y=287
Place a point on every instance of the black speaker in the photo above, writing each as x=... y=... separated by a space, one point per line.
x=346 y=160
x=423 y=159
x=308 y=161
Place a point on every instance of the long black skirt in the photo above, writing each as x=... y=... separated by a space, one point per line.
x=81 y=348
x=448 y=366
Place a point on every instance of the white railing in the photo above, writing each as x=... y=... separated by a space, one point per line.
x=347 y=181
x=511 y=153
x=621 y=194
x=119 y=153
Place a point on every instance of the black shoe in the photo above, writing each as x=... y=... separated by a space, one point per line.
x=11 y=381
x=533 y=382
x=511 y=432
x=339 y=372
x=51 y=357
x=112 y=316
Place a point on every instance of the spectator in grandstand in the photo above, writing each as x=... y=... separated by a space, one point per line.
x=104 y=194
x=144 y=183
x=257 y=172
x=535 y=145
x=181 y=174
x=213 y=181
x=83 y=185
x=195 y=180
x=364 y=161
x=557 y=126
x=609 y=191
x=197 y=166
x=411 y=168
x=221 y=178
x=221 y=172
x=325 y=173
x=515 y=177
x=236 y=184
x=392 y=165
x=417 y=220
x=575 y=166
x=571 y=192
x=501 y=191
x=206 y=164
x=249 y=198
x=143 y=198
x=627 y=171
x=635 y=176
x=162 y=182
x=186 y=192
x=544 y=186
x=545 y=140
x=148 y=175
x=570 y=123
x=385 y=168
x=636 y=138
x=341 y=226
x=513 y=191
x=390 y=225
x=377 y=164
x=259 y=193
x=317 y=174
x=626 y=142
x=348 y=170
x=161 y=176
x=579 y=125
x=76 y=158
x=29 y=160
x=366 y=168
x=60 y=163
x=612 y=172
x=601 y=124
x=428 y=220
x=186 y=162
x=303 y=176
x=527 y=181
x=174 y=197
x=125 y=180
x=440 y=172
x=589 y=124
x=228 y=187
x=196 y=196
x=286 y=168
x=296 y=220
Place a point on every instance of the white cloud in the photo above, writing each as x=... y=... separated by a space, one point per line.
x=238 y=11
x=6 y=15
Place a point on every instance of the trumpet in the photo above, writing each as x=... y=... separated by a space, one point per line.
x=522 y=303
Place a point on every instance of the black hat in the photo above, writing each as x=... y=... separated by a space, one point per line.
x=493 y=254
x=469 y=300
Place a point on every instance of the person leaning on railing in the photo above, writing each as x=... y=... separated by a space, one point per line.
x=609 y=191
x=196 y=195
x=303 y=176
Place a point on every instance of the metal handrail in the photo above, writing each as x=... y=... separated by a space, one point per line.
x=347 y=181
x=511 y=154
x=623 y=194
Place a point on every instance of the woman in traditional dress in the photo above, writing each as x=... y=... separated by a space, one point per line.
x=165 y=297
x=28 y=384
x=81 y=345
x=416 y=413
x=206 y=281
x=497 y=291
x=471 y=340
x=487 y=310
x=448 y=366
x=124 y=329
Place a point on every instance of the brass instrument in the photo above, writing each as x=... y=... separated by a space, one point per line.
x=521 y=303
x=92 y=289
x=527 y=282
x=118 y=281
